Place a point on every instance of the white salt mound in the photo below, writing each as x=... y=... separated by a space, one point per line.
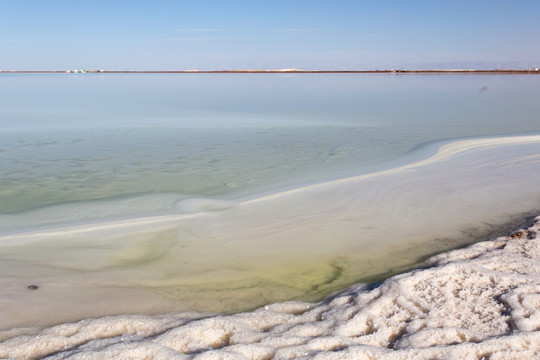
x=475 y=303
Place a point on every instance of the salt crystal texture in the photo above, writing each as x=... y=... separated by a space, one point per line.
x=475 y=303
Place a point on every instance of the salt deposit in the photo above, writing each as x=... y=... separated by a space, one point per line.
x=474 y=303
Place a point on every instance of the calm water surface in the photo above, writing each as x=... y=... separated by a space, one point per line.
x=68 y=137
x=200 y=191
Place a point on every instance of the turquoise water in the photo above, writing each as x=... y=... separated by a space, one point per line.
x=224 y=192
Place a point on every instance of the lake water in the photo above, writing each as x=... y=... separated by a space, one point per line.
x=221 y=193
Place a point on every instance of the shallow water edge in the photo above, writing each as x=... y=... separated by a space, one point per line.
x=416 y=314
x=230 y=256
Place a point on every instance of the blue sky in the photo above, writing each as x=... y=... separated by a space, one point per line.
x=211 y=34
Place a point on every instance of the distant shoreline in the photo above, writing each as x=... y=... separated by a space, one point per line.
x=535 y=71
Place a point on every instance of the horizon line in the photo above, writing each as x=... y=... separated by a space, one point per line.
x=280 y=71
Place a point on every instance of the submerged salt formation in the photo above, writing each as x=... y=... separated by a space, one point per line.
x=303 y=243
x=479 y=302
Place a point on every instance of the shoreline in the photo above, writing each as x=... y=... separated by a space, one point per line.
x=535 y=71
x=475 y=302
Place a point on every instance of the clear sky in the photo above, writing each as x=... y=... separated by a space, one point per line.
x=270 y=34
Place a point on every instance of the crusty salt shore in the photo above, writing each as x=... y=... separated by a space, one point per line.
x=474 y=303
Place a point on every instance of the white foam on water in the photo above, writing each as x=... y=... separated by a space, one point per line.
x=474 y=303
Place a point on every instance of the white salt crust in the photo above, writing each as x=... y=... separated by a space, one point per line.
x=475 y=303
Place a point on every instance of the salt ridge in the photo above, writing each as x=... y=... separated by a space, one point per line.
x=444 y=152
x=473 y=303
